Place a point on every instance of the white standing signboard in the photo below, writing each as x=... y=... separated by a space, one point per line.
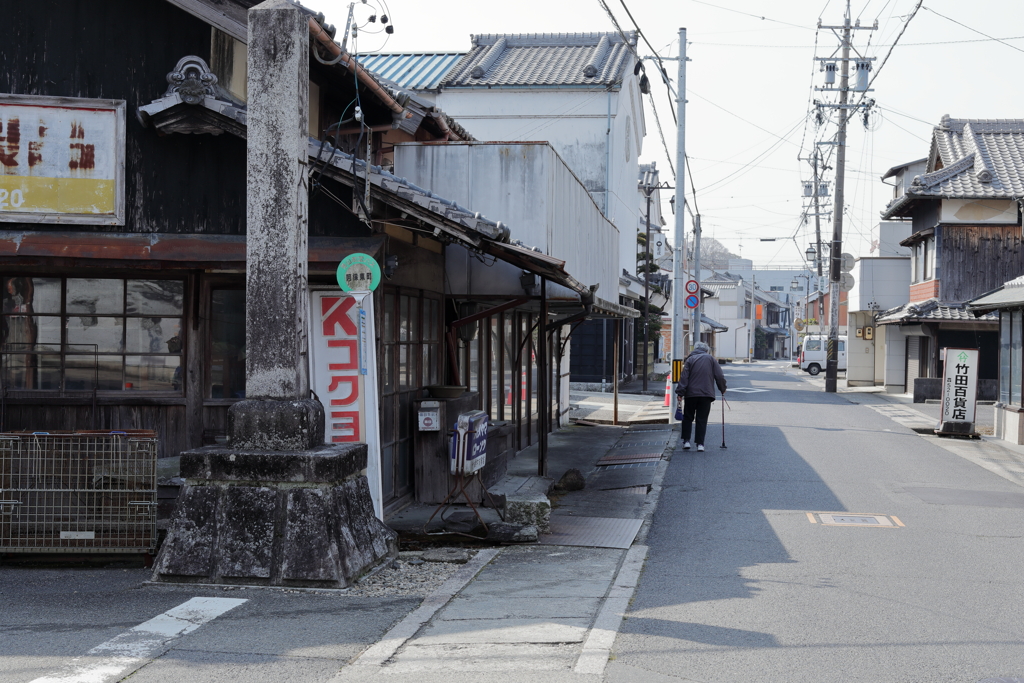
x=343 y=371
x=959 y=389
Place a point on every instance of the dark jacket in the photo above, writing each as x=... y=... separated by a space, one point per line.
x=701 y=372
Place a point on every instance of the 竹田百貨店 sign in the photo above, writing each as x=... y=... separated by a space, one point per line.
x=959 y=386
x=62 y=160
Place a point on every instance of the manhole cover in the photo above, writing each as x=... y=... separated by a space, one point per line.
x=748 y=390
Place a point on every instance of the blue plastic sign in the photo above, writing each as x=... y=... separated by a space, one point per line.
x=692 y=301
x=358 y=273
x=469 y=443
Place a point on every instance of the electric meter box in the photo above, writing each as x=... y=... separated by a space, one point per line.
x=429 y=416
x=469 y=443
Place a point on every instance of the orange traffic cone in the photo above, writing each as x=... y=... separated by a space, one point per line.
x=668 y=391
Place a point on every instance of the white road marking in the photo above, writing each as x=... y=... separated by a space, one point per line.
x=749 y=390
x=129 y=651
x=598 y=645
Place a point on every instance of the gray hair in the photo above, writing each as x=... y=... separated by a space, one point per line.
x=701 y=347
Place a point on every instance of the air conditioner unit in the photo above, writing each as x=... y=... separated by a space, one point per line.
x=469 y=443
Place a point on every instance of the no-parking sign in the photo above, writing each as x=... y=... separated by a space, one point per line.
x=692 y=301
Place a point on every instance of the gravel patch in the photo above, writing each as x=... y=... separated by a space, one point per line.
x=408 y=575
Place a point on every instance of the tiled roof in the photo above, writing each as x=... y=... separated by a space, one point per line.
x=543 y=60
x=1010 y=295
x=931 y=311
x=412 y=71
x=971 y=159
x=718 y=287
x=711 y=325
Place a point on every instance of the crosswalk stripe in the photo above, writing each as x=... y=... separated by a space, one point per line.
x=129 y=651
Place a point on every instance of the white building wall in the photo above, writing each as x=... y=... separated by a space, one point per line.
x=599 y=135
x=528 y=187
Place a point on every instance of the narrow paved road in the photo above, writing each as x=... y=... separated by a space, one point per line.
x=746 y=581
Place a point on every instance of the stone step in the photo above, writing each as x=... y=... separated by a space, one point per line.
x=525 y=500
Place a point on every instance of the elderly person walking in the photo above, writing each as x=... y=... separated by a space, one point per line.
x=696 y=389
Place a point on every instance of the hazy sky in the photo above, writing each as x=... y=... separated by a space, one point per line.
x=749 y=86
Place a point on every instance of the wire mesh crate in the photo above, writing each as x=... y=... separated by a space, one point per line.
x=78 y=492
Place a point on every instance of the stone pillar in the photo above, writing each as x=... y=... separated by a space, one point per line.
x=276 y=506
x=278 y=413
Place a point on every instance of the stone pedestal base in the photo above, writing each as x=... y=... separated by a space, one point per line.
x=276 y=518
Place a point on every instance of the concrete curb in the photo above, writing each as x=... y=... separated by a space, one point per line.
x=380 y=652
x=598 y=645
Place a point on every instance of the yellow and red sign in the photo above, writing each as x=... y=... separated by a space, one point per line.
x=61 y=160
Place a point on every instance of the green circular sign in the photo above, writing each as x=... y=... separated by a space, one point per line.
x=358 y=273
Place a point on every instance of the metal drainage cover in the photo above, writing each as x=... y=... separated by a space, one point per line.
x=624 y=459
x=633 y=444
x=1002 y=680
x=592 y=532
x=839 y=519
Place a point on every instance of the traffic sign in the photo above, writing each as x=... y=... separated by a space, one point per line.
x=692 y=287
x=847 y=262
x=692 y=301
x=846 y=282
x=358 y=273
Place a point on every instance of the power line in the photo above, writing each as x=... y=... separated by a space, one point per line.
x=998 y=40
x=756 y=16
x=661 y=134
x=891 y=48
x=805 y=47
x=731 y=113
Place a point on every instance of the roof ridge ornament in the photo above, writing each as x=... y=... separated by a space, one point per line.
x=954 y=169
x=192 y=80
x=488 y=60
x=597 y=58
x=982 y=171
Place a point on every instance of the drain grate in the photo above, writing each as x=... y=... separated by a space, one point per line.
x=631 y=465
x=640 y=443
x=854 y=519
x=593 y=532
x=623 y=458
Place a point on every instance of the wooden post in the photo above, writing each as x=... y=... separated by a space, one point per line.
x=543 y=410
x=615 y=370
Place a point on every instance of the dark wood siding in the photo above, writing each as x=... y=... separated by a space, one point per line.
x=974 y=260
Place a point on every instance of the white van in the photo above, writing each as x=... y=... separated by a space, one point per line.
x=814 y=353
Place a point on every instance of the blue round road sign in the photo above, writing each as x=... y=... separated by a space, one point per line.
x=692 y=301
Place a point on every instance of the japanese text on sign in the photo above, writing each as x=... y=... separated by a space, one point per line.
x=61 y=160
x=959 y=385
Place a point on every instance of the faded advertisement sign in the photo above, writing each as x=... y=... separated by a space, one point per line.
x=959 y=385
x=343 y=373
x=61 y=160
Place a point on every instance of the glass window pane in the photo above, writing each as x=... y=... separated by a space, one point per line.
x=31 y=333
x=403 y=318
x=152 y=373
x=31 y=295
x=107 y=334
x=388 y=370
x=227 y=337
x=153 y=335
x=403 y=366
x=414 y=319
x=1015 y=359
x=156 y=297
x=389 y=318
x=92 y=296
x=81 y=373
x=1004 y=357
x=32 y=372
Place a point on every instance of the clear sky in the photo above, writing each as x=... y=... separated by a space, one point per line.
x=749 y=90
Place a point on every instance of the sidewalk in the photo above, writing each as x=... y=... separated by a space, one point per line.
x=634 y=409
x=548 y=611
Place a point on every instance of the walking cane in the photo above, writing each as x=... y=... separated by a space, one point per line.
x=723 y=421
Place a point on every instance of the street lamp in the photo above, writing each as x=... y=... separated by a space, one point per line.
x=811 y=254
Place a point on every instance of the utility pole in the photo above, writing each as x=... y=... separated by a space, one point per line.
x=817 y=233
x=751 y=336
x=679 y=237
x=836 y=249
x=647 y=274
x=695 y=329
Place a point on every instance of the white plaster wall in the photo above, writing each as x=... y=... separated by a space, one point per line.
x=975 y=211
x=884 y=282
x=576 y=123
x=860 y=352
x=895 y=360
x=529 y=188
x=890 y=234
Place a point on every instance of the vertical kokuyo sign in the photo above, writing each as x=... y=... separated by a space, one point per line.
x=343 y=372
x=959 y=391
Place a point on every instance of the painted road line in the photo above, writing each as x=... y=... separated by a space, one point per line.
x=598 y=645
x=129 y=651
x=811 y=519
x=377 y=654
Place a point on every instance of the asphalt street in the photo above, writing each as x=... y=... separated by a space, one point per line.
x=747 y=580
x=828 y=542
